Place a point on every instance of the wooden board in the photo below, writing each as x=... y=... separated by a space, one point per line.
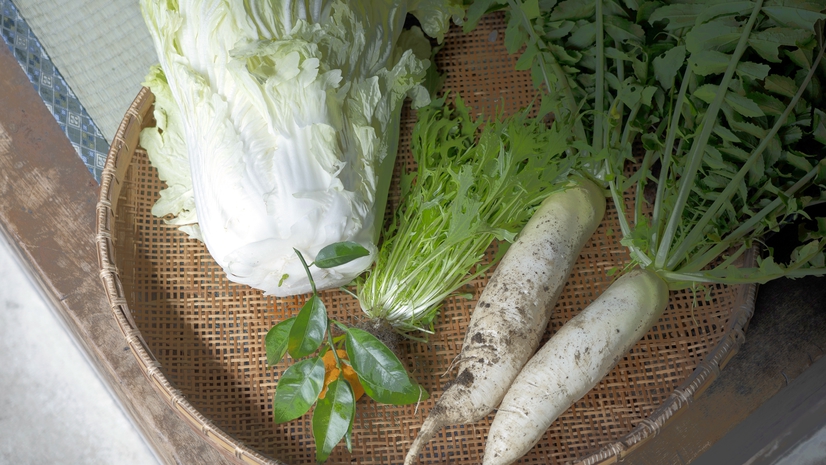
x=47 y=213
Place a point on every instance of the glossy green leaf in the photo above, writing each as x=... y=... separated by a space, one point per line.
x=332 y=417
x=276 y=341
x=308 y=329
x=374 y=362
x=298 y=389
x=410 y=395
x=339 y=254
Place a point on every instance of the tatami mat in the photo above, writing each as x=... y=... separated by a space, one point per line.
x=101 y=47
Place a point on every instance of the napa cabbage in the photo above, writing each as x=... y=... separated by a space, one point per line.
x=278 y=123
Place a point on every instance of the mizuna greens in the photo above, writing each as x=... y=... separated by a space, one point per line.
x=736 y=150
x=474 y=183
x=278 y=124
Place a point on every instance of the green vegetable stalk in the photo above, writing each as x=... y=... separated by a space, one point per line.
x=743 y=150
x=724 y=97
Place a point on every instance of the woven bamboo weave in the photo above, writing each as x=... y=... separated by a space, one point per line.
x=200 y=338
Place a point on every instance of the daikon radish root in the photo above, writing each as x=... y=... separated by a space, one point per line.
x=573 y=361
x=514 y=308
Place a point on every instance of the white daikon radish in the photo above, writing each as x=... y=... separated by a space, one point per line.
x=514 y=309
x=575 y=359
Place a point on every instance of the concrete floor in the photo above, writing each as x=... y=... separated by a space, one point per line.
x=54 y=408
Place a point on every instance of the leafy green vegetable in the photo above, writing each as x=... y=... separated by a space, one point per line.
x=593 y=58
x=277 y=339
x=735 y=160
x=474 y=183
x=721 y=94
x=278 y=123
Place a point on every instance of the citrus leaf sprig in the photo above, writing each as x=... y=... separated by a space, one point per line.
x=308 y=336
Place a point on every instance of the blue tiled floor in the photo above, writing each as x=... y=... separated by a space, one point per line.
x=58 y=97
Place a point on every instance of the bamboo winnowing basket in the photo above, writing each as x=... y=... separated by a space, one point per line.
x=200 y=338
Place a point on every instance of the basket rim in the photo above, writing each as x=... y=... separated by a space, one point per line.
x=118 y=159
x=123 y=145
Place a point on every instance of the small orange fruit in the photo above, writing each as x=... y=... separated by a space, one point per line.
x=331 y=373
